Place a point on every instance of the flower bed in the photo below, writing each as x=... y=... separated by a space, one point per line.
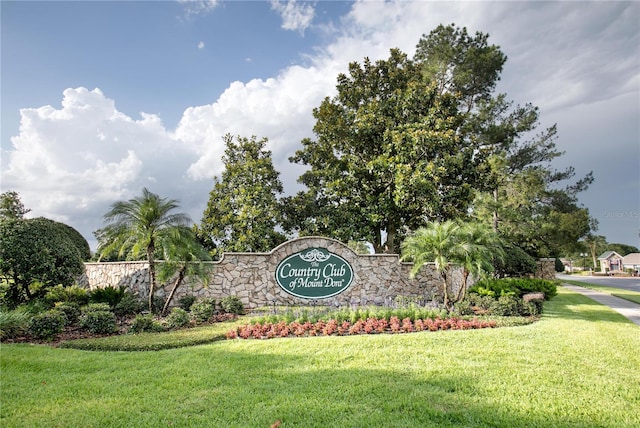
x=370 y=326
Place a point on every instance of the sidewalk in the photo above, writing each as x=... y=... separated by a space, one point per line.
x=628 y=309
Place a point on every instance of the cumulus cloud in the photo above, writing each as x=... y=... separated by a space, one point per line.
x=295 y=16
x=71 y=162
x=201 y=45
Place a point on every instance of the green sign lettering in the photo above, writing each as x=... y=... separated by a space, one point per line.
x=314 y=273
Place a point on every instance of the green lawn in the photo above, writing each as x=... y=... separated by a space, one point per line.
x=632 y=296
x=577 y=367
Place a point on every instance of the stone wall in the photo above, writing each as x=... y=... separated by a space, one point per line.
x=378 y=278
x=546 y=269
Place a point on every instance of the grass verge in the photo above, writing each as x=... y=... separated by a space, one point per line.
x=576 y=367
x=632 y=296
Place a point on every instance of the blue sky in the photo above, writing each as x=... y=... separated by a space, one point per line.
x=100 y=99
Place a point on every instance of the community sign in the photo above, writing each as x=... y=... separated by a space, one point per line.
x=314 y=273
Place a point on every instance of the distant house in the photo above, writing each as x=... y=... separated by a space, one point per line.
x=610 y=261
x=632 y=262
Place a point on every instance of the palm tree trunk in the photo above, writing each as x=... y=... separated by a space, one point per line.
x=152 y=275
x=176 y=284
x=462 y=292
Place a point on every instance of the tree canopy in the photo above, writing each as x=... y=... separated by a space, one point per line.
x=408 y=141
x=243 y=210
x=388 y=157
x=36 y=254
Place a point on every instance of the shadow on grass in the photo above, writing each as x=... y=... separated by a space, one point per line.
x=574 y=306
x=214 y=386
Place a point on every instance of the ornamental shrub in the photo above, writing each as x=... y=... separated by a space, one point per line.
x=144 y=323
x=185 y=302
x=507 y=306
x=47 y=324
x=71 y=311
x=96 y=307
x=99 y=322
x=73 y=294
x=177 y=318
x=129 y=305
x=203 y=309
x=232 y=305
x=110 y=295
x=14 y=323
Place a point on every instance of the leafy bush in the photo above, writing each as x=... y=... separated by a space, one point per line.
x=508 y=306
x=177 y=318
x=516 y=263
x=129 y=305
x=99 y=322
x=47 y=324
x=73 y=294
x=157 y=304
x=203 y=309
x=14 y=323
x=143 y=323
x=232 y=305
x=96 y=307
x=185 y=302
x=110 y=295
x=71 y=311
x=514 y=286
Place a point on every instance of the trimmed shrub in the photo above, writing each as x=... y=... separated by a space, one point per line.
x=99 y=322
x=507 y=306
x=14 y=323
x=73 y=294
x=203 y=309
x=185 y=302
x=47 y=325
x=514 y=286
x=96 y=307
x=177 y=318
x=144 y=323
x=71 y=311
x=232 y=305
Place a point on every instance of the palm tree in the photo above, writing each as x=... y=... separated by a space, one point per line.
x=484 y=246
x=438 y=242
x=182 y=258
x=450 y=245
x=139 y=227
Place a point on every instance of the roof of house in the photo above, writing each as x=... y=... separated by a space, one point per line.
x=631 y=259
x=609 y=254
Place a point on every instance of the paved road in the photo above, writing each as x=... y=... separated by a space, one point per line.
x=630 y=283
x=628 y=309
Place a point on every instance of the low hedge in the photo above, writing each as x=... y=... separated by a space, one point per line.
x=514 y=287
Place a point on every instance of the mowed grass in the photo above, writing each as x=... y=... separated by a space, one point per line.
x=632 y=296
x=577 y=367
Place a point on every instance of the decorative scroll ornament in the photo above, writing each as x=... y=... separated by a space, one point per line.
x=315 y=255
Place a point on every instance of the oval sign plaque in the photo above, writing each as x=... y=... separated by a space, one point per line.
x=314 y=273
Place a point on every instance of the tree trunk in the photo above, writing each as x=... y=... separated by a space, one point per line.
x=462 y=292
x=152 y=274
x=176 y=284
x=495 y=210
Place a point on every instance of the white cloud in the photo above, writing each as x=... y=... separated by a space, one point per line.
x=201 y=45
x=295 y=16
x=70 y=163
x=198 y=7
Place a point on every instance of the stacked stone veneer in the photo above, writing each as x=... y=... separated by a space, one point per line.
x=546 y=269
x=378 y=278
